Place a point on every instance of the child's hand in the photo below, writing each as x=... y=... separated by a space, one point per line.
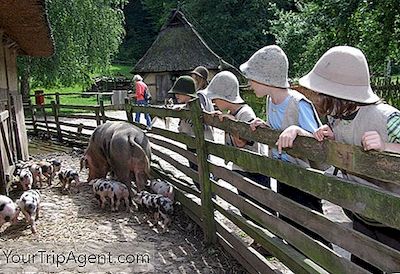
x=372 y=140
x=257 y=123
x=287 y=137
x=324 y=132
x=228 y=116
x=215 y=113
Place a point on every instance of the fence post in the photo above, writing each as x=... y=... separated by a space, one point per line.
x=45 y=120
x=103 y=115
x=55 y=107
x=204 y=173
x=98 y=121
x=128 y=110
x=33 y=112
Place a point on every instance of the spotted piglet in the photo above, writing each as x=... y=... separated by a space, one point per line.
x=158 y=204
x=103 y=189
x=47 y=171
x=26 y=178
x=159 y=186
x=114 y=190
x=37 y=174
x=29 y=203
x=121 y=193
x=8 y=210
x=67 y=178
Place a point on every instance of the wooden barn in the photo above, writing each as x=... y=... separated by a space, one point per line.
x=24 y=30
x=177 y=50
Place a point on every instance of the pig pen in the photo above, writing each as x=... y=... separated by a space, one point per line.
x=72 y=221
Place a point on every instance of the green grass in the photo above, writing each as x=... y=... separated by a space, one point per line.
x=121 y=70
x=115 y=70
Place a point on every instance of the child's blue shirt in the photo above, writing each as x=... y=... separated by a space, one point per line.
x=276 y=114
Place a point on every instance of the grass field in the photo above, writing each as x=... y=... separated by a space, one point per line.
x=114 y=71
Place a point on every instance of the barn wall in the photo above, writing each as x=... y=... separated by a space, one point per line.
x=17 y=111
x=13 y=137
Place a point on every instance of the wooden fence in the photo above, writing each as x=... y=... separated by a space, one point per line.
x=295 y=249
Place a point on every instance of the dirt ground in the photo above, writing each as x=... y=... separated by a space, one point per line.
x=74 y=222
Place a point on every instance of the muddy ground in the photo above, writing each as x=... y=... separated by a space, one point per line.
x=74 y=222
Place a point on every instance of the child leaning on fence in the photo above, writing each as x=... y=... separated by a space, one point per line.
x=224 y=92
x=184 y=90
x=356 y=116
x=288 y=110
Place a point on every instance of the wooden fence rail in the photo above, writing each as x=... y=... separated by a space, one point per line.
x=291 y=246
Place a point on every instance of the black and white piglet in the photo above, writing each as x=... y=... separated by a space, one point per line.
x=68 y=178
x=26 y=178
x=114 y=190
x=29 y=203
x=8 y=210
x=162 y=187
x=158 y=204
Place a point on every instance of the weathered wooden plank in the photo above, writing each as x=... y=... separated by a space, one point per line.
x=75 y=125
x=162 y=111
x=191 y=204
x=181 y=151
x=102 y=112
x=176 y=182
x=353 y=241
x=374 y=203
x=185 y=169
x=91 y=108
x=77 y=116
x=56 y=120
x=351 y=158
x=108 y=118
x=176 y=136
x=4 y=115
x=42 y=106
x=247 y=256
x=6 y=144
x=252 y=262
x=293 y=259
x=320 y=254
x=203 y=172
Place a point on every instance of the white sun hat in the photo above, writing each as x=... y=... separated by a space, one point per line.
x=137 y=77
x=268 y=66
x=342 y=72
x=224 y=86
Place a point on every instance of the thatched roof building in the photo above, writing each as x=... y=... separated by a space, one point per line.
x=177 y=50
x=178 y=47
x=25 y=22
x=24 y=29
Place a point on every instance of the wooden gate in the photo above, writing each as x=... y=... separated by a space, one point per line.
x=7 y=152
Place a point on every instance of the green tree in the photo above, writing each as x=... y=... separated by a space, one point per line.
x=233 y=29
x=87 y=35
x=317 y=25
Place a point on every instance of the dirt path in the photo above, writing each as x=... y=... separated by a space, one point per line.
x=75 y=223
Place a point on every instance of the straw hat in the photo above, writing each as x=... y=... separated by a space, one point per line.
x=268 y=66
x=224 y=86
x=201 y=72
x=184 y=85
x=137 y=77
x=342 y=72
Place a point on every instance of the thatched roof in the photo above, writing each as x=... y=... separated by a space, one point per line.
x=26 y=23
x=178 y=47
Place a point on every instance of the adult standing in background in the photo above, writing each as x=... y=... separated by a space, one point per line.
x=140 y=95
